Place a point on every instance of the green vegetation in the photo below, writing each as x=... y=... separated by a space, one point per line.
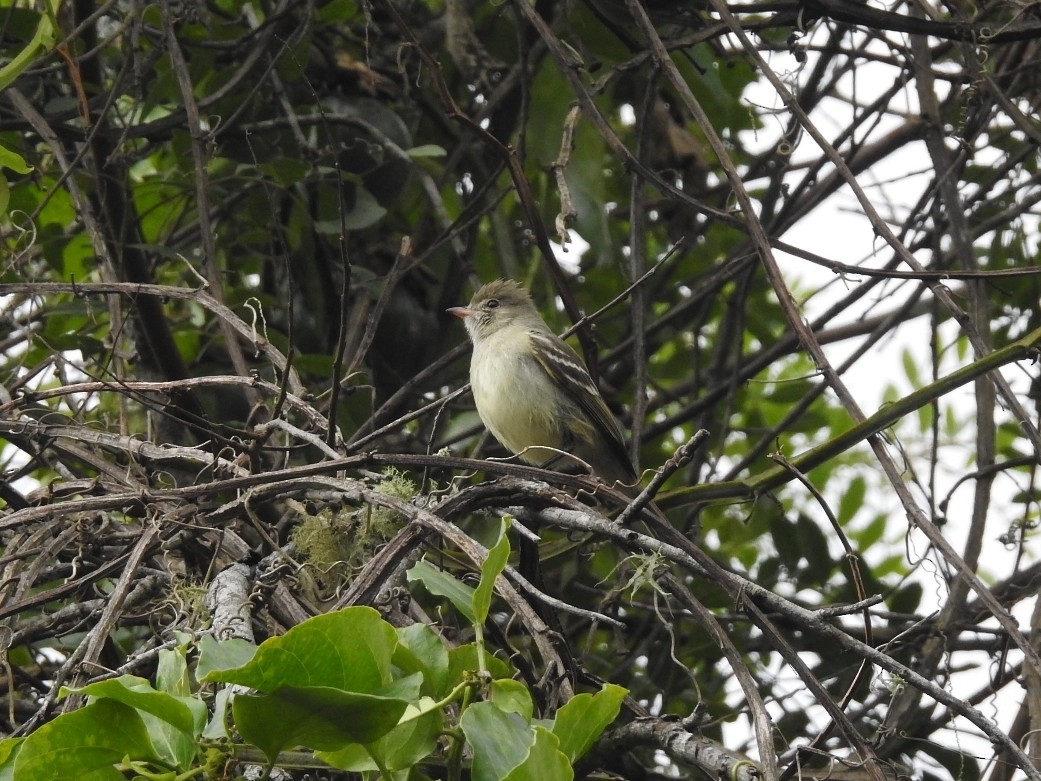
x=248 y=514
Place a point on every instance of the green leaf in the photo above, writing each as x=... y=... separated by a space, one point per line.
x=785 y=540
x=871 y=533
x=185 y=713
x=217 y=728
x=314 y=364
x=287 y=171
x=85 y=744
x=442 y=584
x=583 y=718
x=501 y=741
x=911 y=368
x=814 y=546
x=43 y=38
x=789 y=392
x=172 y=678
x=906 y=599
x=14 y=161
x=364 y=212
x=717 y=85
x=491 y=568
x=925 y=417
x=350 y=649
x=544 y=125
x=891 y=565
x=401 y=748
x=464 y=658
x=319 y=717
x=545 y=760
x=178 y=749
x=512 y=696
x=336 y=11
x=426 y=150
x=217 y=655
x=9 y=748
x=852 y=500
x=421 y=649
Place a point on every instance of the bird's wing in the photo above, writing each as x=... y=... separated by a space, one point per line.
x=567 y=371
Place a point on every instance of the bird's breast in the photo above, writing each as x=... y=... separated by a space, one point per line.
x=514 y=397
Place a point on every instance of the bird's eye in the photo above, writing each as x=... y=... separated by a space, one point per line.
x=493 y=303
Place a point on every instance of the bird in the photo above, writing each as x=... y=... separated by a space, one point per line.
x=532 y=390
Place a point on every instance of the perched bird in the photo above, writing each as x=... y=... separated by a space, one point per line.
x=533 y=392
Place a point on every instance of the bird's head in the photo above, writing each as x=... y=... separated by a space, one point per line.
x=496 y=305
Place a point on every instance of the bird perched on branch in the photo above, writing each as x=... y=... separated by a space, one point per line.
x=532 y=390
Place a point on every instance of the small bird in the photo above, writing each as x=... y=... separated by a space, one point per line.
x=532 y=390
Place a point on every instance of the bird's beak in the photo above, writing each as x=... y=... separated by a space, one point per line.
x=461 y=311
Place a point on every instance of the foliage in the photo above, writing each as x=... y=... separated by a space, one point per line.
x=376 y=705
x=231 y=231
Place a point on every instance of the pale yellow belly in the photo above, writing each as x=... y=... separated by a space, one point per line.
x=515 y=399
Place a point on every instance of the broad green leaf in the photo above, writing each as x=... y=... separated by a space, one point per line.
x=217 y=727
x=890 y=565
x=512 y=696
x=319 y=717
x=287 y=171
x=872 y=533
x=336 y=11
x=583 y=718
x=314 y=364
x=176 y=748
x=364 y=212
x=501 y=741
x=852 y=500
x=906 y=599
x=925 y=417
x=9 y=748
x=138 y=693
x=43 y=38
x=491 y=568
x=14 y=161
x=173 y=720
x=421 y=649
x=215 y=655
x=350 y=649
x=464 y=658
x=85 y=744
x=173 y=679
x=442 y=584
x=545 y=761
x=911 y=368
x=401 y=748
x=782 y=530
x=789 y=392
x=544 y=126
x=173 y=676
x=717 y=84
x=814 y=546
x=596 y=36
